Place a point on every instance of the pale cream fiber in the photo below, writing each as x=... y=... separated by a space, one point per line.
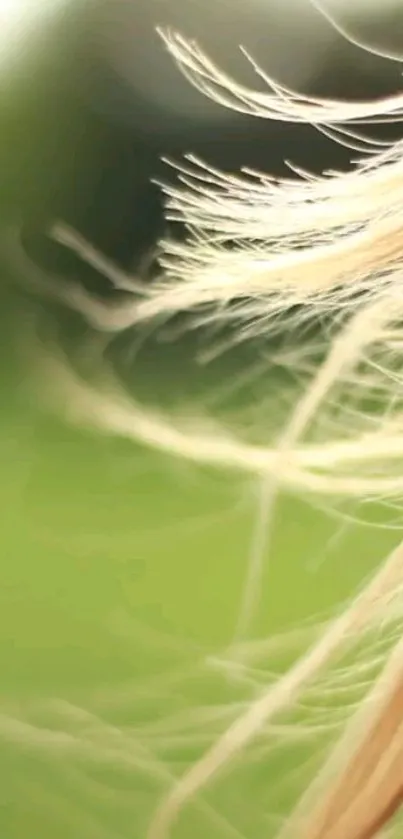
x=262 y=256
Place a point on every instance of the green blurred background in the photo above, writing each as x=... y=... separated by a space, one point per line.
x=122 y=570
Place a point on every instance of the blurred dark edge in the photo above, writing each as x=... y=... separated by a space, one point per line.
x=63 y=156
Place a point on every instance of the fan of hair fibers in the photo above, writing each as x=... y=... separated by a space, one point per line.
x=267 y=254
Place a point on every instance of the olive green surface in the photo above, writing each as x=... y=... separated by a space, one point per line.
x=121 y=573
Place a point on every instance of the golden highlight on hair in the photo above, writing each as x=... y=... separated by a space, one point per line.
x=263 y=254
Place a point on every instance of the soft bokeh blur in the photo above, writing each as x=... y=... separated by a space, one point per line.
x=293 y=41
x=122 y=570
x=376 y=26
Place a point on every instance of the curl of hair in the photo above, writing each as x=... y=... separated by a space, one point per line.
x=263 y=252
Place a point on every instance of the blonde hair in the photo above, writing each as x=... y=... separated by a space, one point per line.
x=267 y=254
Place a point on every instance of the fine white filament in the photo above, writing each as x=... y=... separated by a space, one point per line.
x=262 y=255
